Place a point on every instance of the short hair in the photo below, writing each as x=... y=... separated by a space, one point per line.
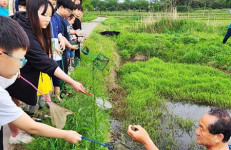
x=65 y=3
x=70 y=17
x=12 y=35
x=19 y=2
x=79 y=7
x=22 y=2
x=222 y=125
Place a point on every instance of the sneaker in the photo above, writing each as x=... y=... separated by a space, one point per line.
x=22 y=137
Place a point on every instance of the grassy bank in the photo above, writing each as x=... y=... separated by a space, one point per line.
x=87 y=116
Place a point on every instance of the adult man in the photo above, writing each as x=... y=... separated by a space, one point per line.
x=214 y=131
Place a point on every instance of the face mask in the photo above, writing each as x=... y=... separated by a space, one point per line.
x=5 y=83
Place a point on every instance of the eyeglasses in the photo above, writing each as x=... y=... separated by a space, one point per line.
x=23 y=61
x=68 y=10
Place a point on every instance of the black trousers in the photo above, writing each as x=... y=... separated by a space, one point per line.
x=1 y=139
x=65 y=62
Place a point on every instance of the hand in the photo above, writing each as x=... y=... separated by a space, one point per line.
x=78 y=32
x=74 y=47
x=62 y=43
x=78 y=87
x=72 y=137
x=140 y=135
x=85 y=36
x=58 y=51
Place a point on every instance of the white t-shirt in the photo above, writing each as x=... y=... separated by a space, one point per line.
x=8 y=109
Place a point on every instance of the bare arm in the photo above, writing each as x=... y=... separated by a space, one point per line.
x=142 y=137
x=64 y=41
x=63 y=76
x=27 y=124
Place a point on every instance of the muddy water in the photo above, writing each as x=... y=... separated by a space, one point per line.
x=188 y=111
x=121 y=141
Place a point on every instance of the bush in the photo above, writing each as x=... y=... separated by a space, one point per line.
x=124 y=54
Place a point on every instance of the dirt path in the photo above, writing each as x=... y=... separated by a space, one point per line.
x=88 y=27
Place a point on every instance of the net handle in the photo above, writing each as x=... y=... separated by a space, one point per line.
x=87 y=52
x=36 y=89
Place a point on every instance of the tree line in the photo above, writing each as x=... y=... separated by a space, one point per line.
x=155 y=5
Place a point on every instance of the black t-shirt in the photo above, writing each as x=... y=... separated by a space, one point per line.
x=77 y=24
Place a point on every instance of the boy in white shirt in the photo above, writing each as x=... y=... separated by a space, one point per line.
x=14 y=44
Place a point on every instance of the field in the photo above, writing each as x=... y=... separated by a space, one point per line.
x=155 y=59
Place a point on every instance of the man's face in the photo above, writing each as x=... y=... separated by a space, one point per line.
x=203 y=136
x=10 y=65
x=66 y=12
x=3 y=3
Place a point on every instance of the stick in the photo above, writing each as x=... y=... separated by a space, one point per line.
x=97 y=142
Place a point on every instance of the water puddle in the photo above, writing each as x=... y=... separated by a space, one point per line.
x=121 y=141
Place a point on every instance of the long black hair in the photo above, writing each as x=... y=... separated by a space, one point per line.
x=43 y=35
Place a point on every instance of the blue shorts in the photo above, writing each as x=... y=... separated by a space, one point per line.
x=70 y=54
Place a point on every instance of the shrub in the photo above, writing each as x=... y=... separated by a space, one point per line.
x=124 y=54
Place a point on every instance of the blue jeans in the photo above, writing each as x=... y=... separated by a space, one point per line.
x=70 y=54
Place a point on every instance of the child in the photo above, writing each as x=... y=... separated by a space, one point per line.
x=78 y=11
x=14 y=44
x=3 y=10
x=36 y=23
x=73 y=40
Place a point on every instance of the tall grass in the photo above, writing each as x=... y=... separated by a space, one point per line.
x=84 y=107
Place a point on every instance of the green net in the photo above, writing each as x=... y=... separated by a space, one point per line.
x=100 y=62
x=76 y=62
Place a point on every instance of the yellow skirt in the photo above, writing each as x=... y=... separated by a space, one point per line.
x=44 y=85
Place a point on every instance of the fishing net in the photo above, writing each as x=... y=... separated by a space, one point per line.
x=76 y=62
x=100 y=62
x=58 y=113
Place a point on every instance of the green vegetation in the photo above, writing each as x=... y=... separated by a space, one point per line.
x=88 y=16
x=159 y=5
x=185 y=62
x=83 y=106
x=148 y=83
x=186 y=57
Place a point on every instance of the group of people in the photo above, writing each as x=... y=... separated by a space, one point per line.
x=42 y=33
x=31 y=43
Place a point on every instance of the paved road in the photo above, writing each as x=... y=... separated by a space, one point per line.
x=88 y=27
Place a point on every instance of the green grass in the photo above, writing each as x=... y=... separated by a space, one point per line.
x=185 y=62
x=83 y=106
x=149 y=83
x=89 y=16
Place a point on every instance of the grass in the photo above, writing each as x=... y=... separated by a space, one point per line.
x=185 y=63
x=188 y=50
x=149 y=83
x=84 y=107
x=89 y=16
